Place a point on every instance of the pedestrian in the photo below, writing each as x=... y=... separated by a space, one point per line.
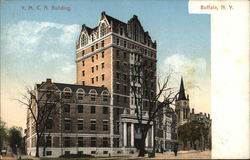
x=175 y=149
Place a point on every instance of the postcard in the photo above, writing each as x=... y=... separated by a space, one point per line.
x=124 y=79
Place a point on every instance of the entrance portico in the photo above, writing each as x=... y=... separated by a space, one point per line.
x=131 y=135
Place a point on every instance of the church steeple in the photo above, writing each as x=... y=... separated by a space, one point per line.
x=182 y=95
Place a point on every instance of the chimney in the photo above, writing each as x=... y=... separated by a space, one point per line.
x=205 y=115
x=193 y=110
x=103 y=13
x=48 y=80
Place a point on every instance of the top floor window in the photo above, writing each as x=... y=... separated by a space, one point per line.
x=103 y=30
x=84 y=40
x=67 y=93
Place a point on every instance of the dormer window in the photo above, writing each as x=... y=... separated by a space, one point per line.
x=67 y=93
x=93 y=94
x=84 y=40
x=105 y=95
x=103 y=30
x=80 y=94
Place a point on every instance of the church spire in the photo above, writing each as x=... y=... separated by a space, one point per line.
x=182 y=95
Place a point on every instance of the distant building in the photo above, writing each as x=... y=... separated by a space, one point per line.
x=182 y=109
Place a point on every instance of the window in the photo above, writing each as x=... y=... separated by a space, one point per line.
x=80 y=108
x=105 y=110
x=117 y=75
x=80 y=142
x=117 y=41
x=49 y=124
x=66 y=142
x=117 y=111
x=121 y=31
x=84 y=40
x=102 y=43
x=93 y=143
x=125 y=88
x=83 y=52
x=80 y=124
x=124 y=77
x=118 y=126
x=102 y=65
x=117 y=53
x=92 y=80
x=66 y=108
x=48 y=141
x=96 y=78
x=105 y=142
x=92 y=125
x=83 y=63
x=79 y=152
x=92 y=109
x=92 y=69
x=103 y=30
x=118 y=64
x=93 y=93
x=83 y=73
x=96 y=67
x=92 y=48
x=102 y=77
x=125 y=99
x=96 y=45
x=67 y=93
x=80 y=93
x=67 y=124
x=83 y=83
x=105 y=152
x=103 y=54
x=92 y=58
x=117 y=98
x=48 y=153
x=117 y=86
x=105 y=98
x=105 y=125
x=125 y=44
x=67 y=152
x=124 y=55
x=96 y=56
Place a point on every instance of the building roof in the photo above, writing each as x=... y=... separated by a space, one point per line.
x=109 y=18
x=182 y=95
x=74 y=87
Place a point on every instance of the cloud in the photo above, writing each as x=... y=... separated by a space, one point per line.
x=68 y=67
x=193 y=70
x=30 y=38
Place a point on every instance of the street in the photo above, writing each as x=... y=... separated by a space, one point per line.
x=185 y=155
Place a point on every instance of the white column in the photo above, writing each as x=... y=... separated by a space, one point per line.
x=132 y=135
x=124 y=134
x=146 y=141
x=152 y=134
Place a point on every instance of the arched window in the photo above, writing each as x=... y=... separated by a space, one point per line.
x=103 y=30
x=80 y=93
x=84 y=40
x=93 y=94
x=105 y=95
x=67 y=93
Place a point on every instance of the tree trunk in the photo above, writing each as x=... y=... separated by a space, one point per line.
x=142 y=148
x=37 y=146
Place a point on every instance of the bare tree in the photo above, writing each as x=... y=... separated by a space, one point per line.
x=148 y=91
x=41 y=104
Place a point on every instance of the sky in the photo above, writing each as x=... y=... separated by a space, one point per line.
x=39 y=43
